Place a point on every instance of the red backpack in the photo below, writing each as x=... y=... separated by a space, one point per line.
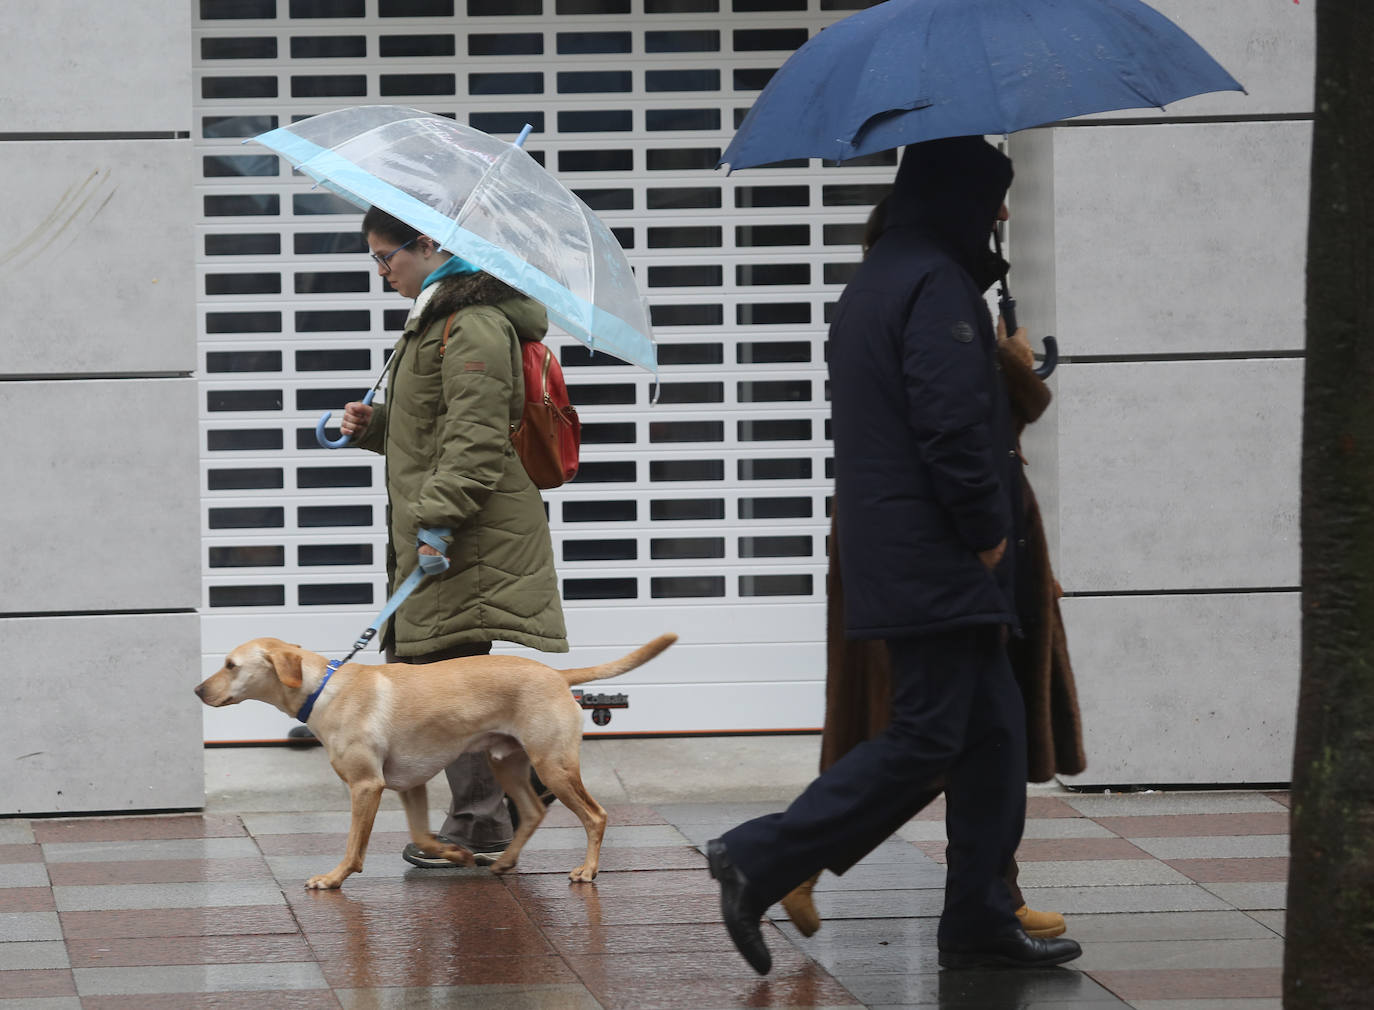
x=549 y=435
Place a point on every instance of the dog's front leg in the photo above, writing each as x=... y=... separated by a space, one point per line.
x=416 y=806
x=366 y=796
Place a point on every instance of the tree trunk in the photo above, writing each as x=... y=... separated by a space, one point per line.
x=1329 y=959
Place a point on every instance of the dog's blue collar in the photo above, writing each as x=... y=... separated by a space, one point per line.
x=309 y=705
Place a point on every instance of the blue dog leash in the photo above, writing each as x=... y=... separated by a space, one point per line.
x=430 y=564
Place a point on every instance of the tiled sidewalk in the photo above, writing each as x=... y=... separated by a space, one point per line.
x=1176 y=897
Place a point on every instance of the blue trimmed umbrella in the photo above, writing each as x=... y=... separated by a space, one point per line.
x=905 y=71
x=487 y=201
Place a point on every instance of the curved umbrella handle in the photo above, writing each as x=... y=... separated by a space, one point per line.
x=342 y=440
x=1051 y=358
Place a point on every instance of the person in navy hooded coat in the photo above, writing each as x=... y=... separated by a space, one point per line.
x=927 y=484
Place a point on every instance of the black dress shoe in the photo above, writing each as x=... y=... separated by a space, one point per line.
x=739 y=908
x=1011 y=950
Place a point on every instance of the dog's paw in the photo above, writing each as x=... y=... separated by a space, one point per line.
x=324 y=882
x=583 y=875
x=457 y=854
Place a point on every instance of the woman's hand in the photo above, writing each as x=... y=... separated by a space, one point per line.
x=357 y=416
x=993 y=555
x=1018 y=343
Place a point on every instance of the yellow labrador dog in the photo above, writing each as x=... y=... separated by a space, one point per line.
x=395 y=726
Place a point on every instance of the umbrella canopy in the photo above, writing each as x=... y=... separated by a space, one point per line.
x=487 y=201
x=911 y=70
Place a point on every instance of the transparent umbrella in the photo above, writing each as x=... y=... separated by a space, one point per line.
x=487 y=201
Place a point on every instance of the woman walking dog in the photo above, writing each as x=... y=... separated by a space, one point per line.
x=454 y=389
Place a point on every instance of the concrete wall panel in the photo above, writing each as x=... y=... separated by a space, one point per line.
x=99 y=251
x=100 y=481
x=82 y=67
x=1179 y=475
x=1031 y=249
x=1186 y=689
x=1180 y=239
x=99 y=714
x=1269 y=47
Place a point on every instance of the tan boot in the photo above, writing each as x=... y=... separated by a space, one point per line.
x=801 y=909
x=1039 y=924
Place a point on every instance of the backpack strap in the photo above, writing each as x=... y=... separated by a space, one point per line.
x=517 y=374
x=448 y=328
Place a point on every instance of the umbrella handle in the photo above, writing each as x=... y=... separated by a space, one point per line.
x=1051 y=358
x=1007 y=306
x=342 y=440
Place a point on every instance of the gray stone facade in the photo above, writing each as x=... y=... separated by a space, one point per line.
x=99 y=474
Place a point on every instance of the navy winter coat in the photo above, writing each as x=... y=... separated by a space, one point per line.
x=926 y=468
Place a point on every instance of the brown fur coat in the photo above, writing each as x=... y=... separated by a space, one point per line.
x=857 y=689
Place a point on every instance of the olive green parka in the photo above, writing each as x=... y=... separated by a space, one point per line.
x=445 y=431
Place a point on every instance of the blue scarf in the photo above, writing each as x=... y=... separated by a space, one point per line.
x=454 y=266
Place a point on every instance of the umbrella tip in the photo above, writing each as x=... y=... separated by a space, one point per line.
x=520 y=140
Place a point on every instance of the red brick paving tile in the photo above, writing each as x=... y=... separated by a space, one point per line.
x=681 y=938
x=26 y=899
x=165 y=950
x=129 y=923
x=587 y=909
x=433 y=965
x=328 y=842
x=613 y=884
x=691 y=981
x=160 y=871
x=35 y=983
x=1196 y=825
x=1257 y=869
x=1041 y=849
x=1194 y=983
x=934 y=811
x=135 y=829
x=935 y=850
x=516 y=937
x=1049 y=807
x=561 y=861
x=483 y=901
x=296 y=999
x=1036 y=806
x=461 y=891
x=21 y=854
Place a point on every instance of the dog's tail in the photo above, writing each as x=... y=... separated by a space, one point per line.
x=622 y=665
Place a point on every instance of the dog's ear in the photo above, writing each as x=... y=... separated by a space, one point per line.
x=288 y=666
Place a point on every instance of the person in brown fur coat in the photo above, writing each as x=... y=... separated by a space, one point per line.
x=858 y=693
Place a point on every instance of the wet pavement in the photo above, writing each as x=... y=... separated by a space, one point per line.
x=1177 y=899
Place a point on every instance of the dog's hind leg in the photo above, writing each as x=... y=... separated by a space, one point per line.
x=366 y=796
x=563 y=776
x=512 y=771
x=416 y=803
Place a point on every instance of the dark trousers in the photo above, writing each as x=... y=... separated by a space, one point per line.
x=957 y=717
x=477 y=815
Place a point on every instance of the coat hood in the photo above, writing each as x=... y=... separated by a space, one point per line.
x=953 y=188
x=449 y=295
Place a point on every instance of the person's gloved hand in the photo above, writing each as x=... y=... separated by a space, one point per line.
x=1018 y=343
x=431 y=547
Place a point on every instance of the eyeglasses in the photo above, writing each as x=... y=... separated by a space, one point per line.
x=385 y=261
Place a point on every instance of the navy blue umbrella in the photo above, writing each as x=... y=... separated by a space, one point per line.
x=912 y=70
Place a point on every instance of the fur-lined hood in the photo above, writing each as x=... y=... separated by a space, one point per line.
x=451 y=294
